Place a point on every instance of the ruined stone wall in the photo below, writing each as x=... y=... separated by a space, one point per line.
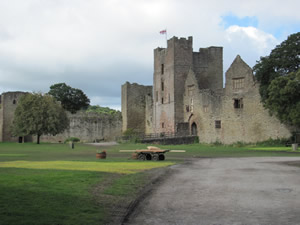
x=9 y=102
x=134 y=106
x=86 y=126
x=208 y=67
x=247 y=122
x=89 y=127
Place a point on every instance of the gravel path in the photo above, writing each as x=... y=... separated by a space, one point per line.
x=227 y=191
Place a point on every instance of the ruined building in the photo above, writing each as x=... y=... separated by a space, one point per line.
x=87 y=126
x=188 y=97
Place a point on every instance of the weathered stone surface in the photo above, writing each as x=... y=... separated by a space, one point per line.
x=88 y=127
x=188 y=89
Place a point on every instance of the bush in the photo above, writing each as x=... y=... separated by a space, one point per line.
x=273 y=142
x=72 y=139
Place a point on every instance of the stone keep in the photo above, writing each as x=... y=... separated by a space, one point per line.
x=188 y=97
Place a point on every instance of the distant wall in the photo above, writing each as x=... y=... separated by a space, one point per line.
x=89 y=127
x=134 y=106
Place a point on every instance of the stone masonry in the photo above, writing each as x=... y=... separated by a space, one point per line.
x=88 y=127
x=189 y=98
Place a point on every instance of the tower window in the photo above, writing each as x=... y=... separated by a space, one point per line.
x=156 y=96
x=14 y=101
x=218 y=124
x=162 y=68
x=238 y=103
x=162 y=100
x=162 y=125
x=238 y=83
x=162 y=86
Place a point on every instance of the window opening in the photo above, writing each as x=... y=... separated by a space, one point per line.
x=162 y=86
x=156 y=96
x=218 y=124
x=238 y=103
x=14 y=101
x=162 y=125
x=162 y=100
x=162 y=68
x=238 y=83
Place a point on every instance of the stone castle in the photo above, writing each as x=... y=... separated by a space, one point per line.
x=188 y=98
x=87 y=126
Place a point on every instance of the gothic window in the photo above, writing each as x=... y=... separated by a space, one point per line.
x=238 y=103
x=192 y=105
x=162 y=69
x=218 y=124
x=238 y=83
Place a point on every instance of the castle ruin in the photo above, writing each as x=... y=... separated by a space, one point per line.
x=87 y=126
x=188 y=97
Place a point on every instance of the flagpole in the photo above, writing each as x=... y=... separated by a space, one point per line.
x=166 y=38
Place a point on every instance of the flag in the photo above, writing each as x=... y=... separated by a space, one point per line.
x=163 y=31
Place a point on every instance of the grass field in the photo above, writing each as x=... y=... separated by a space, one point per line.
x=54 y=184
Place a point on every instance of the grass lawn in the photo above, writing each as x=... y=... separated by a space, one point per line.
x=54 y=184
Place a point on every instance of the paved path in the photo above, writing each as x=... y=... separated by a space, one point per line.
x=228 y=191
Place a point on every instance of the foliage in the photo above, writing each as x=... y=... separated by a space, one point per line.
x=72 y=99
x=38 y=114
x=277 y=75
x=273 y=142
x=131 y=135
x=72 y=139
x=284 y=98
x=103 y=110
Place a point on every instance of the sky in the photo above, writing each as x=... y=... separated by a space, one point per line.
x=98 y=45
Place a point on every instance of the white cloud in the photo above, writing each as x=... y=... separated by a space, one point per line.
x=98 y=45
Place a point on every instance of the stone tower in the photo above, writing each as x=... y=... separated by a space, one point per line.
x=171 y=66
x=8 y=105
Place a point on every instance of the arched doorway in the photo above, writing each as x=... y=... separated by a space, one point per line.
x=194 y=128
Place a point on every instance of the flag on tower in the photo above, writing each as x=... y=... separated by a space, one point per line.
x=163 y=31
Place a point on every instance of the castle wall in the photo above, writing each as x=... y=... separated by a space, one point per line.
x=89 y=127
x=238 y=109
x=9 y=102
x=134 y=106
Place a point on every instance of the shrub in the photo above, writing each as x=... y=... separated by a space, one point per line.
x=72 y=139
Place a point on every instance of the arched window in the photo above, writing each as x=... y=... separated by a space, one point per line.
x=14 y=101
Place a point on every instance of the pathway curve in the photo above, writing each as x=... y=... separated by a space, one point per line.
x=227 y=191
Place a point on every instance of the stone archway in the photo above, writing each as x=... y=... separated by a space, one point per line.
x=194 y=130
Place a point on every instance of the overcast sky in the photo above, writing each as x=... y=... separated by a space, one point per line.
x=97 y=45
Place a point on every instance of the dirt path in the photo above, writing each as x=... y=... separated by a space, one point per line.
x=225 y=191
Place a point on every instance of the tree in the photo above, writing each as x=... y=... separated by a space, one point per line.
x=72 y=99
x=278 y=75
x=38 y=114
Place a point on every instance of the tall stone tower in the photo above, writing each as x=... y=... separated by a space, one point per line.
x=171 y=66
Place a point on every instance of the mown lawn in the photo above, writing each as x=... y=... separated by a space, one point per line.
x=54 y=184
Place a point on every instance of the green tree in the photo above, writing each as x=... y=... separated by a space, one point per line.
x=72 y=99
x=38 y=114
x=278 y=77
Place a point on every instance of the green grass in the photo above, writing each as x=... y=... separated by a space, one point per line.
x=54 y=184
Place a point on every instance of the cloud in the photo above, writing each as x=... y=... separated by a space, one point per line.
x=98 y=45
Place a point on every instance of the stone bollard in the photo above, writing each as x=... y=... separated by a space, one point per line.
x=71 y=144
x=294 y=147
